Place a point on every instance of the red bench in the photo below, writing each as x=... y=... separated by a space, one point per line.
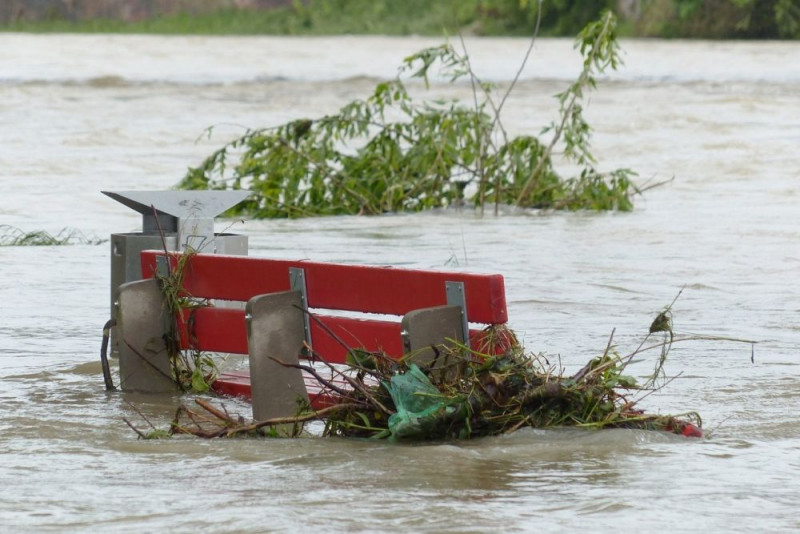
x=333 y=292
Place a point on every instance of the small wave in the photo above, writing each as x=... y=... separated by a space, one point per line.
x=697 y=286
x=107 y=81
x=114 y=81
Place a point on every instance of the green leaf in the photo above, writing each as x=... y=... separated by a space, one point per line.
x=199 y=384
x=628 y=382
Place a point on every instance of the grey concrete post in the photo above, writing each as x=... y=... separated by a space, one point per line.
x=275 y=329
x=431 y=326
x=142 y=322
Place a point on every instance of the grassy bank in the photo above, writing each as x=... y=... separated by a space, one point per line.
x=710 y=19
x=338 y=17
x=438 y=19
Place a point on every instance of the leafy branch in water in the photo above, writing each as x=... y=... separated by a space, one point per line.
x=191 y=369
x=11 y=236
x=600 y=50
x=392 y=153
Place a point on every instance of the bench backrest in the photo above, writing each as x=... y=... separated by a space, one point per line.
x=328 y=286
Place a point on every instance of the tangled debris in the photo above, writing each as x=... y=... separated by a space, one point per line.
x=471 y=394
x=463 y=394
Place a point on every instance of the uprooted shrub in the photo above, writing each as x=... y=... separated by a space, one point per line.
x=393 y=153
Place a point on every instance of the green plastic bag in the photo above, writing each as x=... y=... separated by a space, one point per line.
x=421 y=407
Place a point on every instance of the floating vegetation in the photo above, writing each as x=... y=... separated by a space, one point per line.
x=465 y=393
x=11 y=236
x=391 y=152
x=475 y=395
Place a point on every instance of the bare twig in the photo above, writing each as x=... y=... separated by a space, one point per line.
x=140 y=414
x=648 y=186
x=139 y=432
x=586 y=368
x=163 y=239
x=318 y=414
x=313 y=372
x=219 y=414
x=524 y=62
x=583 y=79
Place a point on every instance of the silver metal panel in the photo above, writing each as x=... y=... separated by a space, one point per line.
x=457 y=296
x=196 y=234
x=233 y=244
x=189 y=213
x=297 y=281
x=180 y=204
x=125 y=262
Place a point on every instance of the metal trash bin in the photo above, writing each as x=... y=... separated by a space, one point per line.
x=183 y=218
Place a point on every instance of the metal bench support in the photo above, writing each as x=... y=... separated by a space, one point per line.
x=297 y=282
x=457 y=296
x=275 y=329
x=430 y=327
x=142 y=323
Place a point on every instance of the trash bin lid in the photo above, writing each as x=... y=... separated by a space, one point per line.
x=180 y=204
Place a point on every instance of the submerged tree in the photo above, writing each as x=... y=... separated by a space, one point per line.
x=393 y=153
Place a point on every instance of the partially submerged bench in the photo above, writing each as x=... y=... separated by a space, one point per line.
x=417 y=309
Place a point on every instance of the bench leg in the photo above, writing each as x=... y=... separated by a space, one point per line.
x=431 y=327
x=275 y=329
x=144 y=364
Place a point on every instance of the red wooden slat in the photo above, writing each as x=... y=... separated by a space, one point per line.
x=214 y=330
x=225 y=330
x=238 y=385
x=233 y=385
x=355 y=333
x=360 y=288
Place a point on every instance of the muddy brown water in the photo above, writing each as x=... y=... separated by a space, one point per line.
x=79 y=114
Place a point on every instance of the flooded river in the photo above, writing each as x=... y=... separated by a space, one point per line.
x=81 y=114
